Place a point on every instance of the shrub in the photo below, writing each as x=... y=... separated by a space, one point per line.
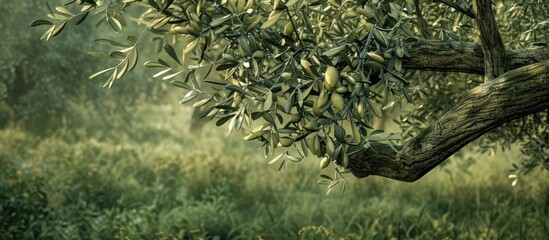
x=22 y=201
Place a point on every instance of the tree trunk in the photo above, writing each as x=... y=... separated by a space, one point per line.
x=514 y=94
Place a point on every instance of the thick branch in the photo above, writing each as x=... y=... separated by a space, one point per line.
x=453 y=56
x=514 y=94
x=458 y=7
x=492 y=45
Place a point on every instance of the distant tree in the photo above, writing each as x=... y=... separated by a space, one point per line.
x=311 y=76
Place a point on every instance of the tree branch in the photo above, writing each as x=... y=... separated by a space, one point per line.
x=492 y=45
x=514 y=94
x=458 y=7
x=453 y=56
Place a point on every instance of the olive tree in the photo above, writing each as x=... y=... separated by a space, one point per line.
x=311 y=77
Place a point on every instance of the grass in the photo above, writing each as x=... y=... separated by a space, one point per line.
x=153 y=178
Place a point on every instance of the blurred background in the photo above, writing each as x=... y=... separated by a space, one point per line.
x=78 y=161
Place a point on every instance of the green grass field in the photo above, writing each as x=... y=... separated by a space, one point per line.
x=153 y=178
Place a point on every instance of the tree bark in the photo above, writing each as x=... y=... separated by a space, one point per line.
x=514 y=94
x=465 y=57
x=492 y=44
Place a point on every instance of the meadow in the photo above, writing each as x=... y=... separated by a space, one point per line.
x=151 y=177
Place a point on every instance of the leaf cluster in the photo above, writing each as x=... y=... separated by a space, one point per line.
x=305 y=76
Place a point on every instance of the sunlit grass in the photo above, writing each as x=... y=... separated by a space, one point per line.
x=155 y=179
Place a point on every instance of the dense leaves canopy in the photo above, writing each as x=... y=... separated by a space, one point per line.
x=310 y=76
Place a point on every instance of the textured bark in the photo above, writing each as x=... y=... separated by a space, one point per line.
x=492 y=45
x=466 y=57
x=514 y=94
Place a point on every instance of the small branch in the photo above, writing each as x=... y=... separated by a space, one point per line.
x=422 y=23
x=492 y=45
x=515 y=94
x=295 y=29
x=459 y=8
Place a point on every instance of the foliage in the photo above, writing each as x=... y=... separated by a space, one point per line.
x=300 y=70
x=139 y=184
x=23 y=202
x=307 y=76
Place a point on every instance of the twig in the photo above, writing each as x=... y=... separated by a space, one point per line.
x=294 y=27
x=466 y=11
x=422 y=23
